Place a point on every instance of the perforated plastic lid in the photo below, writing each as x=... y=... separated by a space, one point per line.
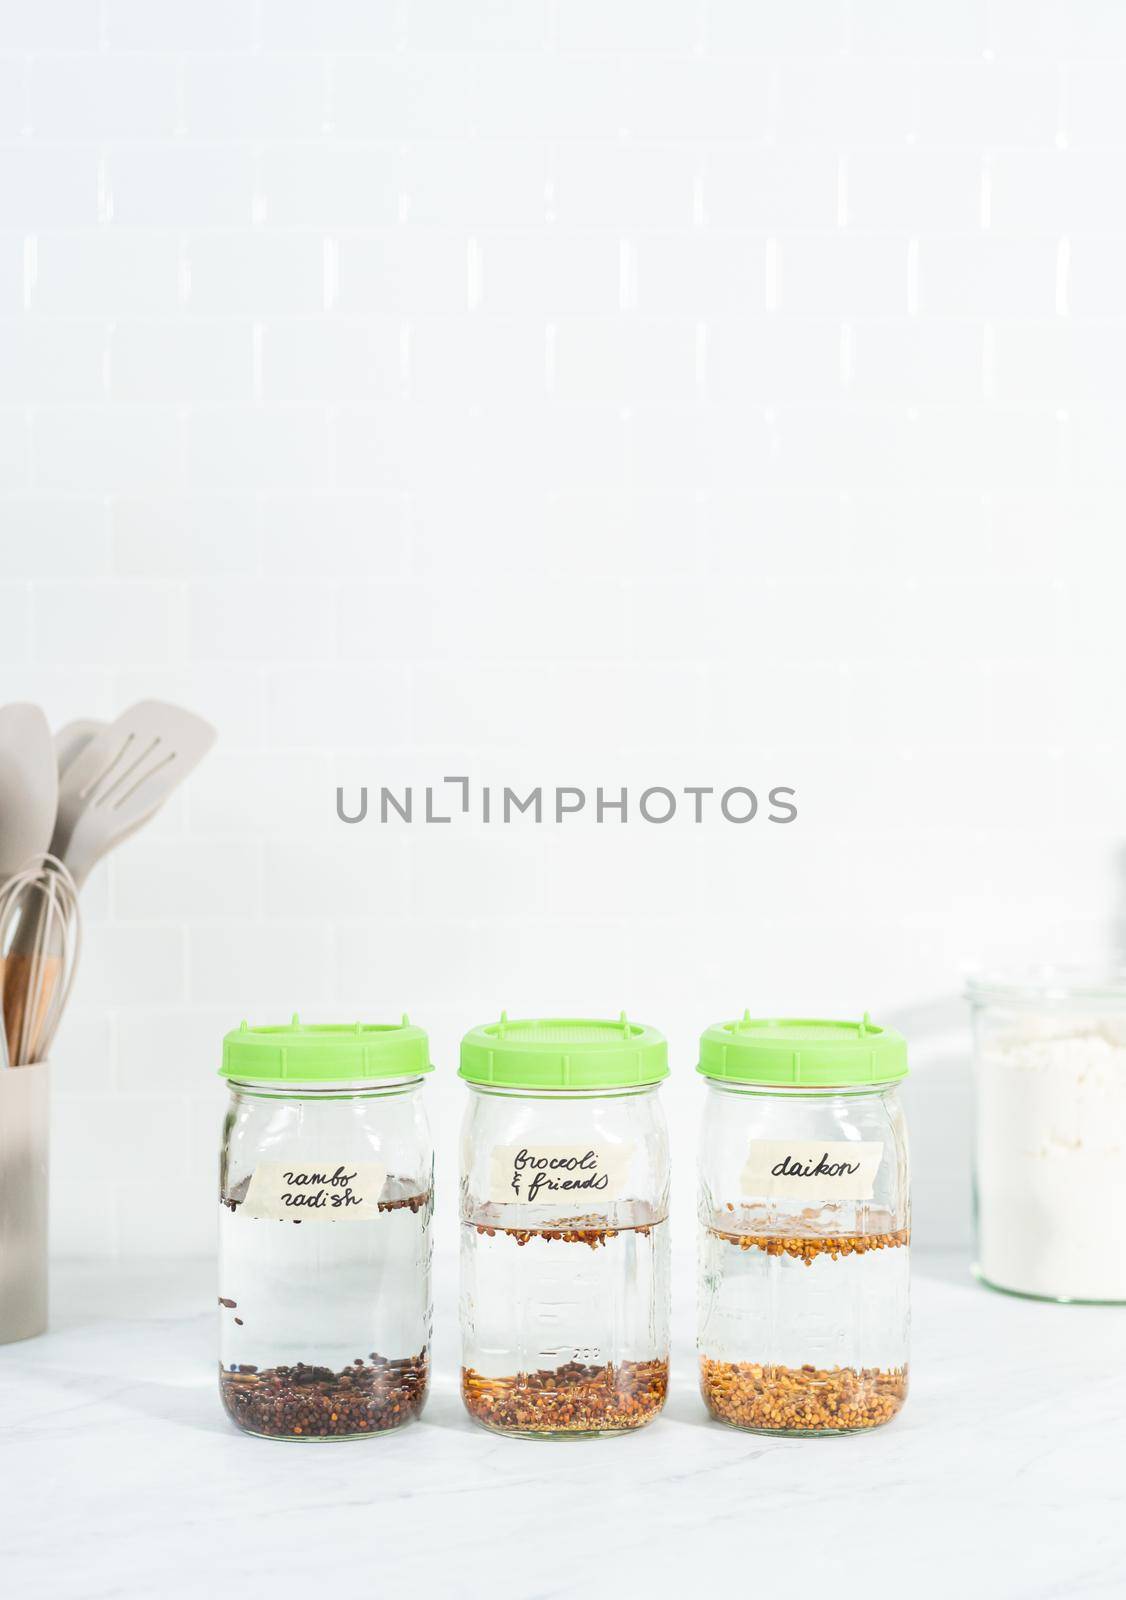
x=564 y=1053
x=332 y=1053
x=797 y=1051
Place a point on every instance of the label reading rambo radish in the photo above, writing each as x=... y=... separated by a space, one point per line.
x=811 y=1170
x=539 y=1173
x=331 y=1192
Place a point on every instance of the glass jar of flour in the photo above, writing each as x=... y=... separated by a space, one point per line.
x=564 y=1230
x=1050 y=1134
x=804 y=1226
x=325 y=1199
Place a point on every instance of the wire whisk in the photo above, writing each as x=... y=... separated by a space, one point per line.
x=40 y=940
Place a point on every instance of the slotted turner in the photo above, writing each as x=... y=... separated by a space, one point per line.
x=121 y=777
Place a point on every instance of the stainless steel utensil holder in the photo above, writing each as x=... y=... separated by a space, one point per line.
x=24 y=1129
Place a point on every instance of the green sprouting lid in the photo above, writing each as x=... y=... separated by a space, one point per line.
x=564 y=1053
x=347 y=1053
x=800 y=1052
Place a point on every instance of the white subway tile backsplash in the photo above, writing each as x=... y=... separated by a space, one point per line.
x=12 y=249
x=45 y=534
x=927 y=363
x=244 y=792
x=557 y=392
x=704 y=273
x=999 y=105
x=547 y=272
x=200 y=25
x=335 y=535
x=849 y=275
x=233 y=448
x=255 y=273
x=1095 y=268
x=884 y=28
x=767 y=361
x=171 y=1050
x=1064 y=363
x=627 y=361
x=447 y=356
x=1061 y=192
x=442 y=25
x=171 y=185
x=187 y=361
x=197 y=880
x=333 y=875
x=84 y=623
x=103 y=97
x=56 y=361
x=327 y=186
x=770 y=191
x=845 y=104
x=400 y=97
x=255 y=966
x=475 y=182
x=330 y=25
x=132 y=966
x=332 y=361
x=86 y=449
x=103 y=272
x=1095 y=116
x=404 y=270
x=43 y=186
x=671 y=28
x=247 y=619
x=13 y=96
x=697 y=97
x=547 y=96
x=988 y=277
x=160 y=537
x=343 y=706
x=939 y=190
x=52 y=25
x=616 y=183
x=15 y=635
x=802 y=28
x=262 y=96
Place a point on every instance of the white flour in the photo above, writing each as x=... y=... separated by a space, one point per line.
x=1051 y=1158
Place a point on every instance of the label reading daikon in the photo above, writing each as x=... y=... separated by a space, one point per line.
x=540 y=1173
x=803 y=1169
x=330 y=1191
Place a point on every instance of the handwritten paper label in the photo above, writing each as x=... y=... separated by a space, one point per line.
x=329 y=1192
x=541 y=1173
x=803 y=1169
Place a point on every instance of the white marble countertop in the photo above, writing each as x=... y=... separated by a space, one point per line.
x=120 y=1476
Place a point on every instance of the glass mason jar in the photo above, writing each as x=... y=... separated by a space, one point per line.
x=1050 y=1131
x=564 y=1228
x=804 y=1226
x=326 y=1183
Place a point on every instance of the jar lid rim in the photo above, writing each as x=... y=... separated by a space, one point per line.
x=564 y=1053
x=311 y=1053
x=813 y=1052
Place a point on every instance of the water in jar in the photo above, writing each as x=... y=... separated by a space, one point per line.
x=325 y=1327
x=565 y=1319
x=803 y=1317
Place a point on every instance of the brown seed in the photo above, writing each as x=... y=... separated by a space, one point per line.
x=803 y=1399
x=570 y=1399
